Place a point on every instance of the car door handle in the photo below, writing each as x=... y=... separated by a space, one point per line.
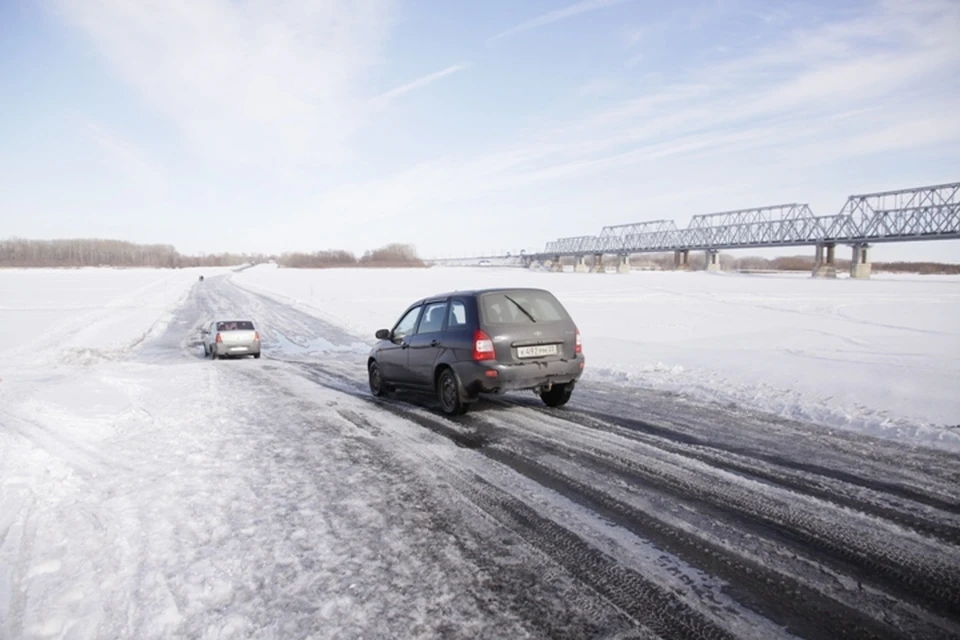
x=434 y=343
x=404 y=345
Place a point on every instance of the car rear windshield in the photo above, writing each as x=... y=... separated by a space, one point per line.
x=521 y=307
x=235 y=325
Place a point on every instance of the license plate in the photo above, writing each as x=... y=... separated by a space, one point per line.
x=537 y=351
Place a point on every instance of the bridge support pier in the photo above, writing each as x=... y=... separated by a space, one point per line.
x=860 y=265
x=581 y=265
x=681 y=259
x=713 y=260
x=824 y=264
x=623 y=264
x=557 y=264
x=598 y=264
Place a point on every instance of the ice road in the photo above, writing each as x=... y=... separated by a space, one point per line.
x=147 y=492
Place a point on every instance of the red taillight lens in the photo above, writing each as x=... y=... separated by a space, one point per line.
x=256 y=336
x=219 y=339
x=578 y=346
x=483 y=346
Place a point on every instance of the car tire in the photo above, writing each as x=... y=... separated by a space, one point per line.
x=377 y=386
x=557 y=396
x=448 y=392
x=257 y=356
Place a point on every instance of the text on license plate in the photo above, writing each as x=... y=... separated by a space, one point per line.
x=536 y=351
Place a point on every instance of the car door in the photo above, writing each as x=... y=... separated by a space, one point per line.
x=209 y=335
x=426 y=343
x=392 y=356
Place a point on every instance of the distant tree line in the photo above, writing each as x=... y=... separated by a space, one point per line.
x=391 y=255
x=97 y=252
x=697 y=260
x=805 y=263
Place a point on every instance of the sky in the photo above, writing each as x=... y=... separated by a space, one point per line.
x=463 y=128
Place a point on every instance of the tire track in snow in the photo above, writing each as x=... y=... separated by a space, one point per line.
x=648 y=604
x=912 y=509
x=925 y=580
x=746 y=514
x=842 y=551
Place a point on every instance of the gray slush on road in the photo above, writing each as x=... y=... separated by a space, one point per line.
x=463 y=344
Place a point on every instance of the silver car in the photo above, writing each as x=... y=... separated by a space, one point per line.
x=228 y=338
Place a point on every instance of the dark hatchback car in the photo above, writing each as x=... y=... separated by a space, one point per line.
x=464 y=344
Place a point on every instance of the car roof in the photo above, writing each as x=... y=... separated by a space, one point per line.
x=469 y=293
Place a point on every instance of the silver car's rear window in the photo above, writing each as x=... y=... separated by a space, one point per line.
x=235 y=325
x=521 y=307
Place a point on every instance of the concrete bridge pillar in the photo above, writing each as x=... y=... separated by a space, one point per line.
x=713 y=260
x=581 y=265
x=557 y=264
x=623 y=264
x=824 y=264
x=860 y=265
x=598 y=264
x=681 y=259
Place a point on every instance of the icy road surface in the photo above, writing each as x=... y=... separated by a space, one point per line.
x=148 y=492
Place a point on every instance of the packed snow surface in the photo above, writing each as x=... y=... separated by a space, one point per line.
x=149 y=492
x=879 y=355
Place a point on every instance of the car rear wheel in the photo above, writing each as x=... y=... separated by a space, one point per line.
x=448 y=390
x=558 y=395
x=377 y=386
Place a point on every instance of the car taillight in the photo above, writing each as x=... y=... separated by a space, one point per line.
x=578 y=346
x=483 y=346
x=256 y=336
x=219 y=339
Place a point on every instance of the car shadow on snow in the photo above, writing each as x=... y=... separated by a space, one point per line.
x=429 y=401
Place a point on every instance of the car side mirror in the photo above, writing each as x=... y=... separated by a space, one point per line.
x=383 y=334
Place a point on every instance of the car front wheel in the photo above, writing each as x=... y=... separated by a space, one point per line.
x=377 y=386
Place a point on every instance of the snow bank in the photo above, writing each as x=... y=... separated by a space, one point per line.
x=878 y=355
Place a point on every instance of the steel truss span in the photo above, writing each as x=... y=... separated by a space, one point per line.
x=921 y=213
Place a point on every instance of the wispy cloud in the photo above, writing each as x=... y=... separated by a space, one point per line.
x=584 y=6
x=741 y=129
x=124 y=155
x=392 y=94
x=253 y=82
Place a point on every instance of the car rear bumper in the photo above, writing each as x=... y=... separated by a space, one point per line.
x=495 y=377
x=243 y=349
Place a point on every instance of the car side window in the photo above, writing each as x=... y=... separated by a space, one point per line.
x=458 y=315
x=407 y=323
x=433 y=317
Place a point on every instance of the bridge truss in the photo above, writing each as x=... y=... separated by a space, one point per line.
x=922 y=213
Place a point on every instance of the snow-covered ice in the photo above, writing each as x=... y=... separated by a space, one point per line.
x=880 y=355
x=146 y=491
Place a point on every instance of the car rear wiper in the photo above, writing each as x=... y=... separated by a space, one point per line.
x=519 y=306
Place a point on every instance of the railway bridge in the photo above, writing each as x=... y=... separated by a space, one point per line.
x=906 y=215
